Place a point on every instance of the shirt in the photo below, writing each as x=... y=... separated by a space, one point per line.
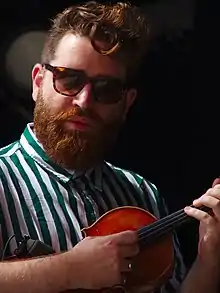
x=52 y=204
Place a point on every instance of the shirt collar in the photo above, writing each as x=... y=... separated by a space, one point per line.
x=34 y=149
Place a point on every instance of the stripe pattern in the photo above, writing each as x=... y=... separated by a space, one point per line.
x=51 y=204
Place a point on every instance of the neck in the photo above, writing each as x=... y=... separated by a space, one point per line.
x=152 y=232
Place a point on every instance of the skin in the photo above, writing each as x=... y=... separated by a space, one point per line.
x=77 y=53
x=206 y=268
x=106 y=255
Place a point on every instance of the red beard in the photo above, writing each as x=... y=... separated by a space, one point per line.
x=75 y=149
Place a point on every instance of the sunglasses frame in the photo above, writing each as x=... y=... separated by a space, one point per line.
x=56 y=69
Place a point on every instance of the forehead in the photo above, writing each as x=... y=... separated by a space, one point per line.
x=76 y=52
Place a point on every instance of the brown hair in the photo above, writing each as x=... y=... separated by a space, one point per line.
x=121 y=27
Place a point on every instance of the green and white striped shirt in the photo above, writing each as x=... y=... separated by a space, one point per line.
x=41 y=199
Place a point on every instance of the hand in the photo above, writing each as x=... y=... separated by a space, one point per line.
x=102 y=261
x=209 y=230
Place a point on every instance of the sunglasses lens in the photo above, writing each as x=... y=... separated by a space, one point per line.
x=108 y=91
x=70 y=84
x=105 y=90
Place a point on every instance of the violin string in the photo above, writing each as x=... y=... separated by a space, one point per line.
x=149 y=237
x=162 y=225
x=162 y=221
x=154 y=234
x=165 y=224
x=168 y=219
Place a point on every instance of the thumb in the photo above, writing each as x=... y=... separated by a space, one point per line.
x=216 y=181
x=124 y=237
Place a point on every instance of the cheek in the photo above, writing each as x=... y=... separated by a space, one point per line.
x=111 y=113
x=54 y=101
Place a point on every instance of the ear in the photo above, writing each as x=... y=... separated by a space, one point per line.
x=130 y=99
x=37 y=77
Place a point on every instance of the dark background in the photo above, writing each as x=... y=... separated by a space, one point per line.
x=171 y=136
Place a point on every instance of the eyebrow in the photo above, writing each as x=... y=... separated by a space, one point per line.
x=82 y=71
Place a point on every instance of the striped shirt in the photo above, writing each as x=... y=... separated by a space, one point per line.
x=49 y=203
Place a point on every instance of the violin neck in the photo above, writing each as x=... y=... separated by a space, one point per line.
x=163 y=226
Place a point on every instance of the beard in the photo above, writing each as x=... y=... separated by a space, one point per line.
x=74 y=149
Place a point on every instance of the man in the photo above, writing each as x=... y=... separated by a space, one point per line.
x=54 y=180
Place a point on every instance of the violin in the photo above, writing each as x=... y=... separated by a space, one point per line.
x=155 y=261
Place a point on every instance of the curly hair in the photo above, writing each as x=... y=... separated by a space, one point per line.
x=121 y=27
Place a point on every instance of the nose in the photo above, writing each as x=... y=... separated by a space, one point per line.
x=84 y=98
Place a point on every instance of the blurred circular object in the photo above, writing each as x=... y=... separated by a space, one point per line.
x=20 y=57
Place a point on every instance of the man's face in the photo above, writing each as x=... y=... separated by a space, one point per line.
x=77 y=131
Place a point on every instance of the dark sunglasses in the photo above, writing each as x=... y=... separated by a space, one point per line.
x=69 y=82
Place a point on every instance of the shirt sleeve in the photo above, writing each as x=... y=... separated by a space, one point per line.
x=158 y=207
x=1 y=221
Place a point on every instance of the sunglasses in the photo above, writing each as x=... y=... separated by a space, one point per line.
x=69 y=82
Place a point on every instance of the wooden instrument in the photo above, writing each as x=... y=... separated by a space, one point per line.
x=154 y=263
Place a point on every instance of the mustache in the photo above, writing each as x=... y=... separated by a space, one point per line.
x=77 y=111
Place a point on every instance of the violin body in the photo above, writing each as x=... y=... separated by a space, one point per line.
x=154 y=263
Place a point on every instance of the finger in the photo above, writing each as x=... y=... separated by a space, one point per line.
x=197 y=214
x=216 y=186
x=212 y=192
x=210 y=200
x=125 y=237
x=216 y=182
x=215 y=192
x=197 y=203
x=127 y=251
x=207 y=200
